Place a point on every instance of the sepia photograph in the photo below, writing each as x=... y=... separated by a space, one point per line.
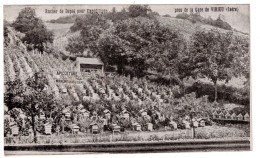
x=129 y=78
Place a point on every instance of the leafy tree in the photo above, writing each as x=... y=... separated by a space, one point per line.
x=89 y=20
x=113 y=10
x=222 y=24
x=26 y=20
x=35 y=31
x=90 y=27
x=138 y=10
x=211 y=56
x=38 y=37
x=139 y=44
x=32 y=98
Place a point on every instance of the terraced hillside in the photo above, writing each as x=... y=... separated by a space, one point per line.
x=107 y=102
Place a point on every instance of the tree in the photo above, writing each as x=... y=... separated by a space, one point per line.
x=113 y=10
x=26 y=20
x=32 y=98
x=90 y=27
x=138 y=10
x=211 y=56
x=37 y=37
x=140 y=43
x=35 y=31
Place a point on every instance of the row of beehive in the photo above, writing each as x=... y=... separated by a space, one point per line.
x=228 y=116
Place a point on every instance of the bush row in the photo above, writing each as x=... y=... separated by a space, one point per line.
x=226 y=93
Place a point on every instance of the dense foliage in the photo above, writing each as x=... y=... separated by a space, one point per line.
x=212 y=55
x=198 y=18
x=32 y=98
x=35 y=31
x=225 y=93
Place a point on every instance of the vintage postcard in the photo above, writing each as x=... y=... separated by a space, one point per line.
x=126 y=78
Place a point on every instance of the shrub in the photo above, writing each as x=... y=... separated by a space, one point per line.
x=226 y=93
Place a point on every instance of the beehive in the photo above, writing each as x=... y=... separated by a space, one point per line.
x=75 y=129
x=116 y=128
x=149 y=126
x=195 y=124
x=202 y=123
x=42 y=116
x=126 y=115
x=95 y=129
x=138 y=127
x=47 y=129
x=228 y=116
x=233 y=116
x=221 y=115
x=246 y=117
x=67 y=115
x=240 y=117
x=215 y=115
x=173 y=125
x=15 y=130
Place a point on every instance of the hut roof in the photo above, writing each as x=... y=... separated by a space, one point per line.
x=91 y=61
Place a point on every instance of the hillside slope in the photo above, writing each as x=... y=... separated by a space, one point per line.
x=187 y=28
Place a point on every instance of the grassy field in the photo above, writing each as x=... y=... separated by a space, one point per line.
x=208 y=132
x=61 y=35
x=187 y=28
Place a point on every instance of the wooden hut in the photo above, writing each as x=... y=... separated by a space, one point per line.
x=246 y=117
x=240 y=117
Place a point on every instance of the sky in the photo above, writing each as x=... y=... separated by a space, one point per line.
x=239 y=20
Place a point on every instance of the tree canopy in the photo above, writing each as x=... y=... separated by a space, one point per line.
x=211 y=56
x=32 y=97
x=36 y=33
